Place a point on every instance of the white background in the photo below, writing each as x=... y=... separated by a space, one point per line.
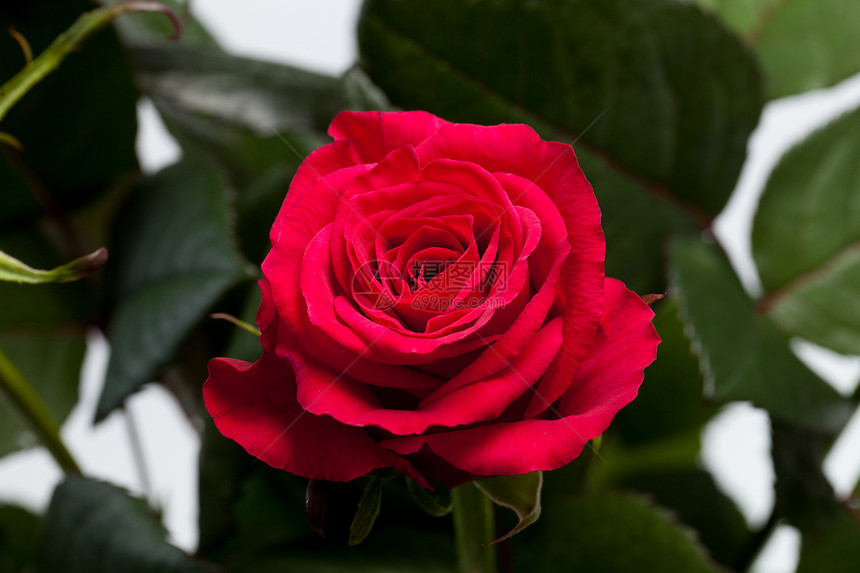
x=321 y=36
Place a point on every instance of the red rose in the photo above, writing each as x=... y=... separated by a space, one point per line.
x=434 y=301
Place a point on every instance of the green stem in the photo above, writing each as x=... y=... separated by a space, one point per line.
x=474 y=529
x=33 y=411
x=85 y=26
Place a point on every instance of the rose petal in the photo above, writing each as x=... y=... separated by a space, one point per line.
x=608 y=380
x=255 y=405
x=321 y=390
x=335 y=355
x=551 y=168
x=336 y=315
x=373 y=135
x=321 y=163
x=580 y=288
x=295 y=227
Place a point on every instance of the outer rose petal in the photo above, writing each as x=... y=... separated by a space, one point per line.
x=255 y=405
x=374 y=134
x=607 y=381
x=324 y=161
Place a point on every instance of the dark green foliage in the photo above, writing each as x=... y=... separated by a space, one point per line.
x=658 y=98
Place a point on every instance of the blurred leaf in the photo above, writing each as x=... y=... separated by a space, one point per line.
x=331 y=507
x=258 y=205
x=802 y=44
x=19 y=536
x=268 y=512
x=253 y=519
x=68 y=158
x=242 y=344
x=693 y=496
x=367 y=511
x=670 y=400
x=321 y=563
x=42 y=330
x=806 y=238
x=175 y=257
x=13 y=270
x=836 y=550
x=93 y=527
x=654 y=88
x=431 y=502
x=803 y=493
x=830 y=527
x=243 y=154
x=246 y=508
x=361 y=94
x=266 y=97
x=742 y=355
x=254 y=122
x=520 y=493
x=610 y=533
x=222 y=465
x=630 y=210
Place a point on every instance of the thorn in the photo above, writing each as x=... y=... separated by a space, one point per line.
x=22 y=41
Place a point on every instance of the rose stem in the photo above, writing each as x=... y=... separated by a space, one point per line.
x=474 y=529
x=26 y=402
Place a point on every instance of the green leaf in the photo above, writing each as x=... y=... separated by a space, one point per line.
x=246 y=508
x=19 y=535
x=175 y=257
x=13 y=270
x=630 y=210
x=657 y=90
x=93 y=527
x=804 y=495
x=519 y=493
x=267 y=515
x=693 y=496
x=221 y=466
x=361 y=94
x=742 y=355
x=68 y=159
x=836 y=550
x=367 y=511
x=203 y=98
x=242 y=344
x=242 y=153
x=610 y=533
x=802 y=44
x=670 y=401
x=430 y=502
x=320 y=563
x=806 y=238
x=266 y=97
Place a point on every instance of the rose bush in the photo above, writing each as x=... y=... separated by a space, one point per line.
x=434 y=301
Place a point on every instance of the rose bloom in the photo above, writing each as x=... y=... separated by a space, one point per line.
x=434 y=301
